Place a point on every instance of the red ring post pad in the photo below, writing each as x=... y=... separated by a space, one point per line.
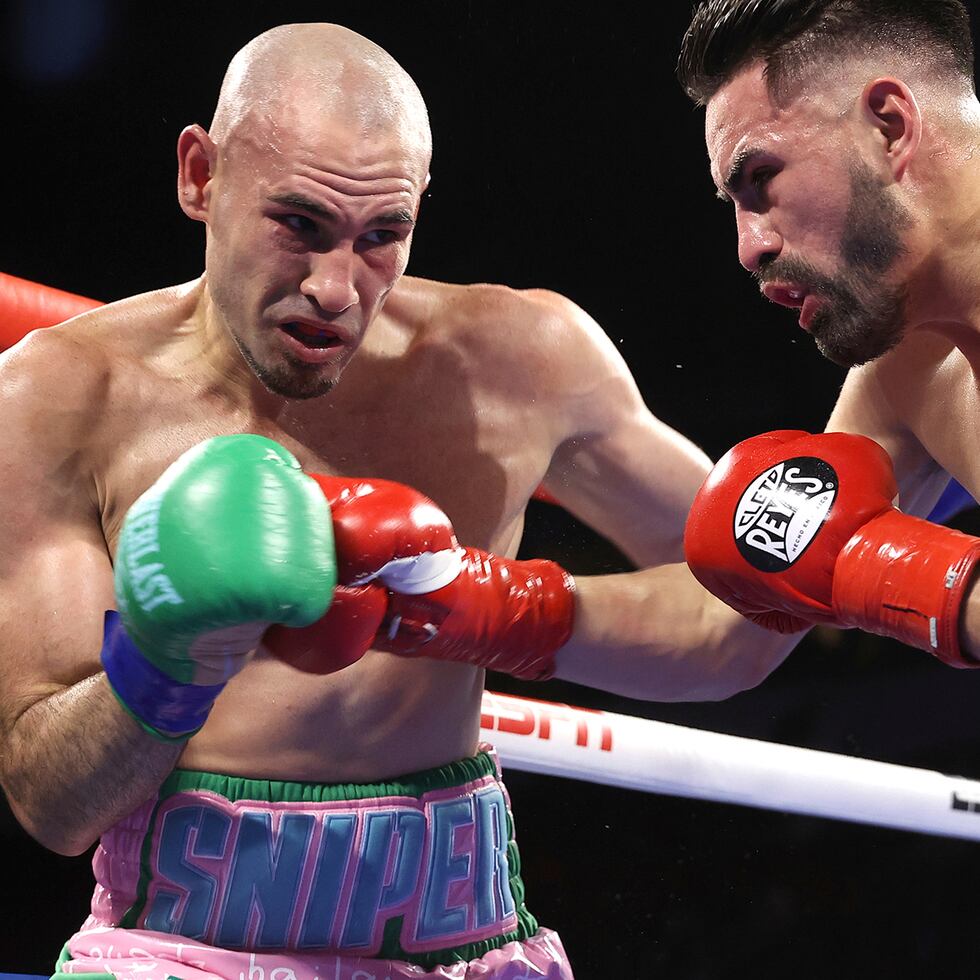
x=169 y=710
x=26 y=306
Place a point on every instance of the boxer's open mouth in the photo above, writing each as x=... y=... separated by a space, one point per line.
x=310 y=336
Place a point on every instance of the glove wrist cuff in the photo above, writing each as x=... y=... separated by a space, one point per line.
x=542 y=600
x=906 y=578
x=169 y=710
x=558 y=604
x=500 y=614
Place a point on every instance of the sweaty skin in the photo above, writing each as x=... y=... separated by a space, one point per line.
x=472 y=394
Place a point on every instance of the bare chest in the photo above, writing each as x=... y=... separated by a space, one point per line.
x=474 y=452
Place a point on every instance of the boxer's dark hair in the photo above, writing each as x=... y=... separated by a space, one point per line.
x=793 y=36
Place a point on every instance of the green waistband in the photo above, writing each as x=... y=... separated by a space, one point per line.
x=415 y=784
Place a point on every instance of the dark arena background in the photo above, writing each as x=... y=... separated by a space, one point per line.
x=566 y=157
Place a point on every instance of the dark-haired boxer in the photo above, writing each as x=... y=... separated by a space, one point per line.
x=844 y=134
x=319 y=822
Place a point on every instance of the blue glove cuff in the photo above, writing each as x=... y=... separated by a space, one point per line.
x=169 y=710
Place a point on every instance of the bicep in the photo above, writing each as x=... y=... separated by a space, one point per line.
x=633 y=482
x=55 y=585
x=616 y=467
x=55 y=570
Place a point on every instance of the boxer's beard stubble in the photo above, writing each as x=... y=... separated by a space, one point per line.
x=860 y=317
x=282 y=382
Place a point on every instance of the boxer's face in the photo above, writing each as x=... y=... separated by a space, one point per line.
x=309 y=228
x=816 y=225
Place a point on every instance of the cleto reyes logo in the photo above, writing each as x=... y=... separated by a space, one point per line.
x=781 y=511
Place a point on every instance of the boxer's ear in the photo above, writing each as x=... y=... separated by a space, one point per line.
x=889 y=105
x=196 y=159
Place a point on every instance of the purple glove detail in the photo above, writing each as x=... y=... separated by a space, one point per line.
x=167 y=709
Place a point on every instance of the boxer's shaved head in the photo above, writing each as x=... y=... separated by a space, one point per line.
x=310 y=181
x=300 y=73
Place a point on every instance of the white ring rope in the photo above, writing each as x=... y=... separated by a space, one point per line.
x=636 y=753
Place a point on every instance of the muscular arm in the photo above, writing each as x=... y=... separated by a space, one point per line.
x=879 y=401
x=654 y=633
x=657 y=635
x=72 y=761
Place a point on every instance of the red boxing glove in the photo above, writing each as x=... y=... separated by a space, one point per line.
x=409 y=588
x=792 y=529
x=338 y=638
x=498 y=613
x=374 y=523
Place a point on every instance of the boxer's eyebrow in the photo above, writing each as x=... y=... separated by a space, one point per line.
x=400 y=216
x=303 y=204
x=736 y=171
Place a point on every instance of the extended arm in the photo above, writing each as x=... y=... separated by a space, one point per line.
x=654 y=633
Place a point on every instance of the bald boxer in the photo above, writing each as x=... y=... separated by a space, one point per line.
x=323 y=821
x=844 y=135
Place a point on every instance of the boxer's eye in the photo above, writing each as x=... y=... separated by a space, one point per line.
x=380 y=236
x=298 y=223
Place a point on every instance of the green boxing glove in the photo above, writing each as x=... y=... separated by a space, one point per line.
x=232 y=538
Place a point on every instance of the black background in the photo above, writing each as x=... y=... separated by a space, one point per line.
x=565 y=157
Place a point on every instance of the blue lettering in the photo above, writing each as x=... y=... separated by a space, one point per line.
x=494 y=900
x=265 y=874
x=172 y=861
x=408 y=859
x=331 y=869
x=436 y=919
x=372 y=864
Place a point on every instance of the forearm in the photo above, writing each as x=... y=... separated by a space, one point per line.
x=75 y=763
x=657 y=635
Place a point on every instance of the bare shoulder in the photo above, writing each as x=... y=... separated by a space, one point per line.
x=478 y=305
x=57 y=384
x=538 y=316
x=539 y=333
x=893 y=393
x=904 y=401
x=51 y=384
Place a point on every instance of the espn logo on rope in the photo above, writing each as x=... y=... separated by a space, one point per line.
x=781 y=511
x=526 y=716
